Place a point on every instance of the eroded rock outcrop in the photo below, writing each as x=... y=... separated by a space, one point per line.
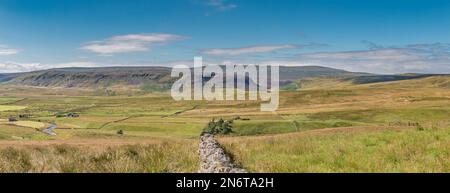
x=213 y=158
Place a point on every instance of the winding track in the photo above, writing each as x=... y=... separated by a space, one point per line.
x=50 y=129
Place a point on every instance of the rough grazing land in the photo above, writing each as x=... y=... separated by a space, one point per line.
x=326 y=125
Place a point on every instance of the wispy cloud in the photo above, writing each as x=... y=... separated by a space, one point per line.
x=72 y=64
x=247 y=50
x=220 y=5
x=13 y=67
x=372 y=45
x=129 y=43
x=5 y=51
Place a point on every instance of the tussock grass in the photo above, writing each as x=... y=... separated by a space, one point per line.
x=355 y=149
x=160 y=157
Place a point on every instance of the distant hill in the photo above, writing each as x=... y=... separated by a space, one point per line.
x=8 y=77
x=158 y=78
x=94 y=77
x=299 y=72
x=135 y=76
x=386 y=78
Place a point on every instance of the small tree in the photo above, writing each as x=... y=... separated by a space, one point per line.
x=219 y=127
x=226 y=128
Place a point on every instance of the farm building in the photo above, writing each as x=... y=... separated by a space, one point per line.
x=72 y=115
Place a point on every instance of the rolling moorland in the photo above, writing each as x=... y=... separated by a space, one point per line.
x=124 y=120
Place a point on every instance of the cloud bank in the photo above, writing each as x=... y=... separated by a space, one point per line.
x=13 y=67
x=416 y=58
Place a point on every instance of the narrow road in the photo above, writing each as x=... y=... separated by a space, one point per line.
x=50 y=129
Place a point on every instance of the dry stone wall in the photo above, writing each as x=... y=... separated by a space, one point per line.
x=213 y=158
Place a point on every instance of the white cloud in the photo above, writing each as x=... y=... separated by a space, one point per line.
x=246 y=50
x=129 y=43
x=220 y=5
x=12 y=67
x=5 y=51
x=380 y=54
x=72 y=64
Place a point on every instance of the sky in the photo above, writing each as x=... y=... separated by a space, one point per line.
x=378 y=36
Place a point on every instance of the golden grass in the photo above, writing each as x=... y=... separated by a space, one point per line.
x=160 y=156
x=11 y=107
x=354 y=149
x=31 y=124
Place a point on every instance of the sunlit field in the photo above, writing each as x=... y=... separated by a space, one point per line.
x=108 y=156
x=400 y=126
x=354 y=149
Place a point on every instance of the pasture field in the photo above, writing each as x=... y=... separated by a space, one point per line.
x=11 y=107
x=400 y=126
x=30 y=124
x=353 y=149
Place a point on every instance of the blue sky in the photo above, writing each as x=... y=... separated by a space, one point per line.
x=381 y=36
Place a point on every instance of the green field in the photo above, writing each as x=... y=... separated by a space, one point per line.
x=11 y=107
x=401 y=126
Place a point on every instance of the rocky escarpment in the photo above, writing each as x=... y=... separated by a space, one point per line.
x=213 y=158
x=95 y=77
x=152 y=75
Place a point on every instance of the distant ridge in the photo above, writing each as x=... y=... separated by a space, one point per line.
x=388 y=78
x=159 y=77
x=299 y=72
x=9 y=76
x=107 y=76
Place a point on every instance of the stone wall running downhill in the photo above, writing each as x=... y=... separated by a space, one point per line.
x=213 y=158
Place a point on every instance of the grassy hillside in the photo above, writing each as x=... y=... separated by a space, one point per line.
x=399 y=116
x=354 y=149
x=400 y=126
x=95 y=77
